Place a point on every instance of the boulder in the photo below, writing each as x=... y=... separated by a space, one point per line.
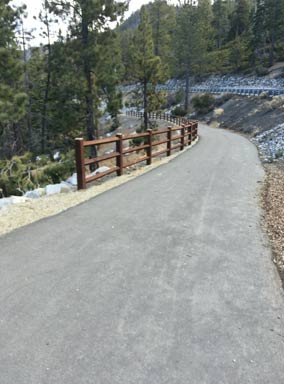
x=65 y=187
x=72 y=180
x=52 y=189
x=32 y=194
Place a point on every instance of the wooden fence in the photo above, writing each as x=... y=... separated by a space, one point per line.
x=184 y=133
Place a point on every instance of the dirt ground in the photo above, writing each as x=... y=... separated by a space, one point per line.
x=273 y=205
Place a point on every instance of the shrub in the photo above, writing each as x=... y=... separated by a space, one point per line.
x=21 y=174
x=178 y=111
x=136 y=141
x=203 y=104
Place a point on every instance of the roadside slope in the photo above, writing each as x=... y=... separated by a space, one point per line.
x=165 y=279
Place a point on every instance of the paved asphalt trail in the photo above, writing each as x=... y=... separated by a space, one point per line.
x=165 y=279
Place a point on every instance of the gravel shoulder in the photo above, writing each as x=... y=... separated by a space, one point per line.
x=272 y=198
x=16 y=216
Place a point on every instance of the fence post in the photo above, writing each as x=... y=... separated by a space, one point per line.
x=182 y=137
x=119 y=158
x=189 y=129
x=80 y=163
x=149 y=149
x=195 y=131
x=169 y=143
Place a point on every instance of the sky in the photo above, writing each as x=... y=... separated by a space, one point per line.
x=33 y=8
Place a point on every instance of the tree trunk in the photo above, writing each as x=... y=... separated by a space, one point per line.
x=157 y=47
x=145 y=104
x=271 y=51
x=187 y=73
x=27 y=89
x=44 y=108
x=89 y=97
x=18 y=140
x=46 y=92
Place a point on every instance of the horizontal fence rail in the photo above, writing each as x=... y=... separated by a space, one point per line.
x=181 y=135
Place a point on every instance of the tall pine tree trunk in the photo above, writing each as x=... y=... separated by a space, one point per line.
x=187 y=73
x=145 y=104
x=44 y=107
x=272 y=46
x=27 y=89
x=157 y=37
x=89 y=96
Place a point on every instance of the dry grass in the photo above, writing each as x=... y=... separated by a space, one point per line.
x=273 y=205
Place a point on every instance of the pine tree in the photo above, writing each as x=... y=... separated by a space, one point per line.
x=111 y=70
x=274 y=15
x=46 y=20
x=220 y=22
x=88 y=18
x=267 y=29
x=193 y=39
x=163 y=20
x=240 y=18
x=147 y=67
x=258 y=31
x=12 y=96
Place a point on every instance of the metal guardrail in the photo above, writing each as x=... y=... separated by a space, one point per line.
x=234 y=90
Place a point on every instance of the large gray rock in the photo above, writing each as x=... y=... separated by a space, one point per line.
x=72 y=179
x=53 y=189
x=35 y=194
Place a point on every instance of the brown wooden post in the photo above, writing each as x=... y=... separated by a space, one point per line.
x=169 y=143
x=189 y=128
x=182 y=137
x=195 y=131
x=119 y=159
x=149 y=149
x=80 y=163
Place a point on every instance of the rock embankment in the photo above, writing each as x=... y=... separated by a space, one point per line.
x=273 y=206
x=271 y=143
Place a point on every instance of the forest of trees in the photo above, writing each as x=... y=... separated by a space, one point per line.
x=52 y=93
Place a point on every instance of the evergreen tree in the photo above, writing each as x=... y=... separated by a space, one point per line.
x=163 y=19
x=12 y=96
x=220 y=22
x=258 y=32
x=46 y=20
x=274 y=16
x=240 y=18
x=111 y=72
x=147 y=67
x=193 y=38
x=267 y=29
x=88 y=18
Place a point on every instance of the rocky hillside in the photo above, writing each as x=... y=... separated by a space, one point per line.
x=260 y=117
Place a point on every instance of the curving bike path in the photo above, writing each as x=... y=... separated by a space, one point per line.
x=167 y=279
